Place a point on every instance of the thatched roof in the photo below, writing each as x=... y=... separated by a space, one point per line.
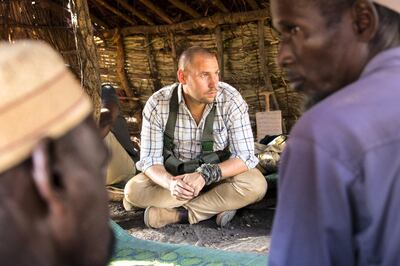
x=137 y=43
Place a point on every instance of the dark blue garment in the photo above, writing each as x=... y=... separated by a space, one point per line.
x=339 y=186
x=121 y=132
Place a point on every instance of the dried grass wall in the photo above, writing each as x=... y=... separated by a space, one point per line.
x=241 y=65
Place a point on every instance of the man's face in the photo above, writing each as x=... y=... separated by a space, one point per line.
x=201 y=79
x=318 y=59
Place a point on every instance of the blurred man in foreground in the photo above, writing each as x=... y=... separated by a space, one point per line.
x=53 y=205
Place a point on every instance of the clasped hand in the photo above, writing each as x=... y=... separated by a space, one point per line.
x=187 y=186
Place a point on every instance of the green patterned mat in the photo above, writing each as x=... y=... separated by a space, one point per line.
x=133 y=251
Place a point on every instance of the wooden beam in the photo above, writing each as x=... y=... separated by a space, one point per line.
x=115 y=11
x=171 y=37
x=136 y=13
x=185 y=8
x=263 y=63
x=99 y=22
x=206 y=22
x=87 y=53
x=157 y=10
x=152 y=64
x=220 y=5
x=220 y=51
x=253 y=4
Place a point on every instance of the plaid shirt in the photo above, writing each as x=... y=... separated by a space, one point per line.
x=231 y=127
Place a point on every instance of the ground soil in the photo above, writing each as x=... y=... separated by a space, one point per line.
x=249 y=231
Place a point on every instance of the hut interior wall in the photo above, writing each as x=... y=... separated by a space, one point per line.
x=52 y=23
x=150 y=60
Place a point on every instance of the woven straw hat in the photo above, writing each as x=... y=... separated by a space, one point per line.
x=391 y=4
x=39 y=98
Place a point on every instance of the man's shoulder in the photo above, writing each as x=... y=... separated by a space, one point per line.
x=163 y=94
x=227 y=92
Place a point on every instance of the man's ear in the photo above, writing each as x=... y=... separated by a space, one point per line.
x=181 y=76
x=366 y=19
x=48 y=183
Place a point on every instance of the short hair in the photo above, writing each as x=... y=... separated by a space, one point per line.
x=108 y=94
x=188 y=55
x=388 y=33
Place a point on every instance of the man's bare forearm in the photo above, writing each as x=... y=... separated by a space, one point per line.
x=232 y=167
x=159 y=175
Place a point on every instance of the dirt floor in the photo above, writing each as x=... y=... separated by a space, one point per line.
x=249 y=231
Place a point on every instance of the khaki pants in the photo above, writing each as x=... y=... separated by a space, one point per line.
x=229 y=194
x=121 y=167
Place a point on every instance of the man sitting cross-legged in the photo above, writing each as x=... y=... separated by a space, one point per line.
x=197 y=152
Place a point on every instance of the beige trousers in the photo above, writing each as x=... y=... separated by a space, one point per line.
x=229 y=194
x=121 y=167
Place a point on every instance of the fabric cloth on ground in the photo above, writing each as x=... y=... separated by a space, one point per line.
x=229 y=194
x=133 y=251
x=339 y=184
x=121 y=167
x=231 y=127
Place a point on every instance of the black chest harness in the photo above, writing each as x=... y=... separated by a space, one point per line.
x=177 y=167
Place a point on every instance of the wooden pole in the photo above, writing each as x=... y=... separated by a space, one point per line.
x=157 y=10
x=205 y=22
x=185 y=8
x=220 y=51
x=87 y=53
x=152 y=64
x=173 y=51
x=136 y=13
x=120 y=62
x=6 y=28
x=263 y=63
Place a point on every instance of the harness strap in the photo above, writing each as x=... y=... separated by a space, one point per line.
x=173 y=164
